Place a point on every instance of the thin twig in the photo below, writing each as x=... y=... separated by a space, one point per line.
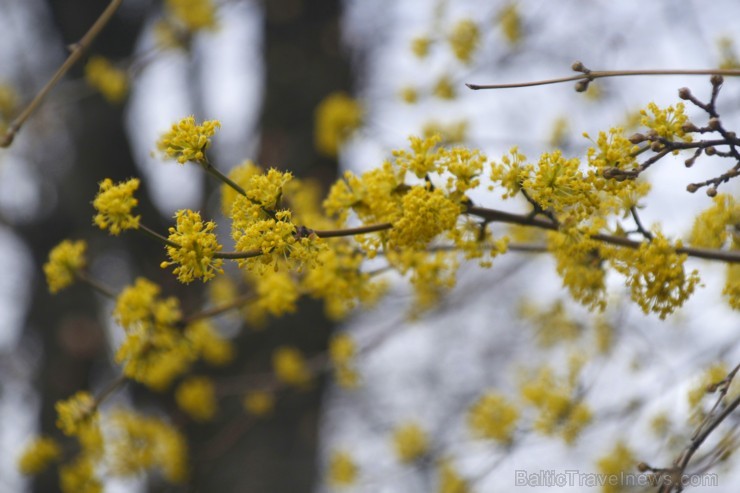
x=600 y=74
x=77 y=50
x=97 y=285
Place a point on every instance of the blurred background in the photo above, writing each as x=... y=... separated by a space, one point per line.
x=262 y=72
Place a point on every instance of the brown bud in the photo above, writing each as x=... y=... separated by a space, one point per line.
x=714 y=123
x=731 y=135
x=684 y=93
x=689 y=127
x=656 y=146
x=692 y=187
x=717 y=80
x=643 y=467
x=637 y=138
x=712 y=192
x=582 y=85
x=710 y=151
x=578 y=67
x=690 y=161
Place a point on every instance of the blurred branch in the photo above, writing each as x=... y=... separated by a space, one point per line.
x=76 y=51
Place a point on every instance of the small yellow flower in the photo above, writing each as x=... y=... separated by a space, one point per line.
x=409 y=95
x=510 y=22
x=617 y=463
x=110 y=81
x=444 y=88
x=290 y=367
x=197 y=397
x=114 y=204
x=493 y=417
x=410 y=442
x=80 y=476
x=65 y=260
x=209 y=344
x=196 y=247
x=464 y=39
x=38 y=455
x=337 y=116
x=450 y=480
x=187 y=141
x=420 y=46
x=342 y=349
x=342 y=469
x=75 y=413
x=259 y=403
x=194 y=15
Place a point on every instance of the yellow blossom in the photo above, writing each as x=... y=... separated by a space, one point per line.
x=712 y=227
x=420 y=46
x=337 y=117
x=139 y=443
x=266 y=189
x=187 y=141
x=666 y=122
x=277 y=293
x=196 y=248
x=732 y=286
x=154 y=351
x=65 y=261
x=464 y=39
x=410 y=442
x=259 y=403
x=618 y=462
x=444 y=88
x=510 y=22
x=711 y=376
x=728 y=55
x=409 y=94
x=560 y=409
x=197 y=397
x=426 y=214
x=510 y=172
x=109 y=80
x=290 y=367
x=241 y=175
x=193 y=15
x=450 y=480
x=38 y=455
x=342 y=469
x=580 y=265
x=452 y=133
x=114 y=204
x=79 y=477
x=342 y=349
x=655 y=275
x=75 y=413
x=557 y=183
x=493 y=417
x=423 y=158
x=207 y=343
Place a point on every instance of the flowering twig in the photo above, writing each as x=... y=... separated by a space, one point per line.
x=76 y=51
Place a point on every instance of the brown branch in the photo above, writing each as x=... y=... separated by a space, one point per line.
x=77 y=50
x=600 y=74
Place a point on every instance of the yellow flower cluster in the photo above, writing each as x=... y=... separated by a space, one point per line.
x=343 y=470
x=444 y=88
x=80 y=476
x=712 y=227
x=560 y=409
x=618 y=462
x=552 y=323
x=259 y=403
x=208 y=343
x=337 y=117
x=464 y=39
x=266 y=189
x=409 y=94
x=137 y=443
x=493 y=417
x=342 y=351
x=426 y=214
x=510 y=21
x=75 y=413
x=732 y=286
x=196 y=248
x=193 y=15
x=557 y=184
x=509 y=173
x=154 y=351
x=450 y=480
x=711 y=376
x=666 y=122
x=277 y=294
x=109 y=80
x=728 y=54
x=65 y=261
x=420 y=46
x=290 y=367
x=197 y=397
x=410 y=442
x=188 y=141
x=38 y=455
x=655 y=275
x=114 y=204
x=452 y=133
x=580 y=266
x=241 y=175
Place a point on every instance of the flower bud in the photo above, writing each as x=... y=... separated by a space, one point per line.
x=684 y=93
